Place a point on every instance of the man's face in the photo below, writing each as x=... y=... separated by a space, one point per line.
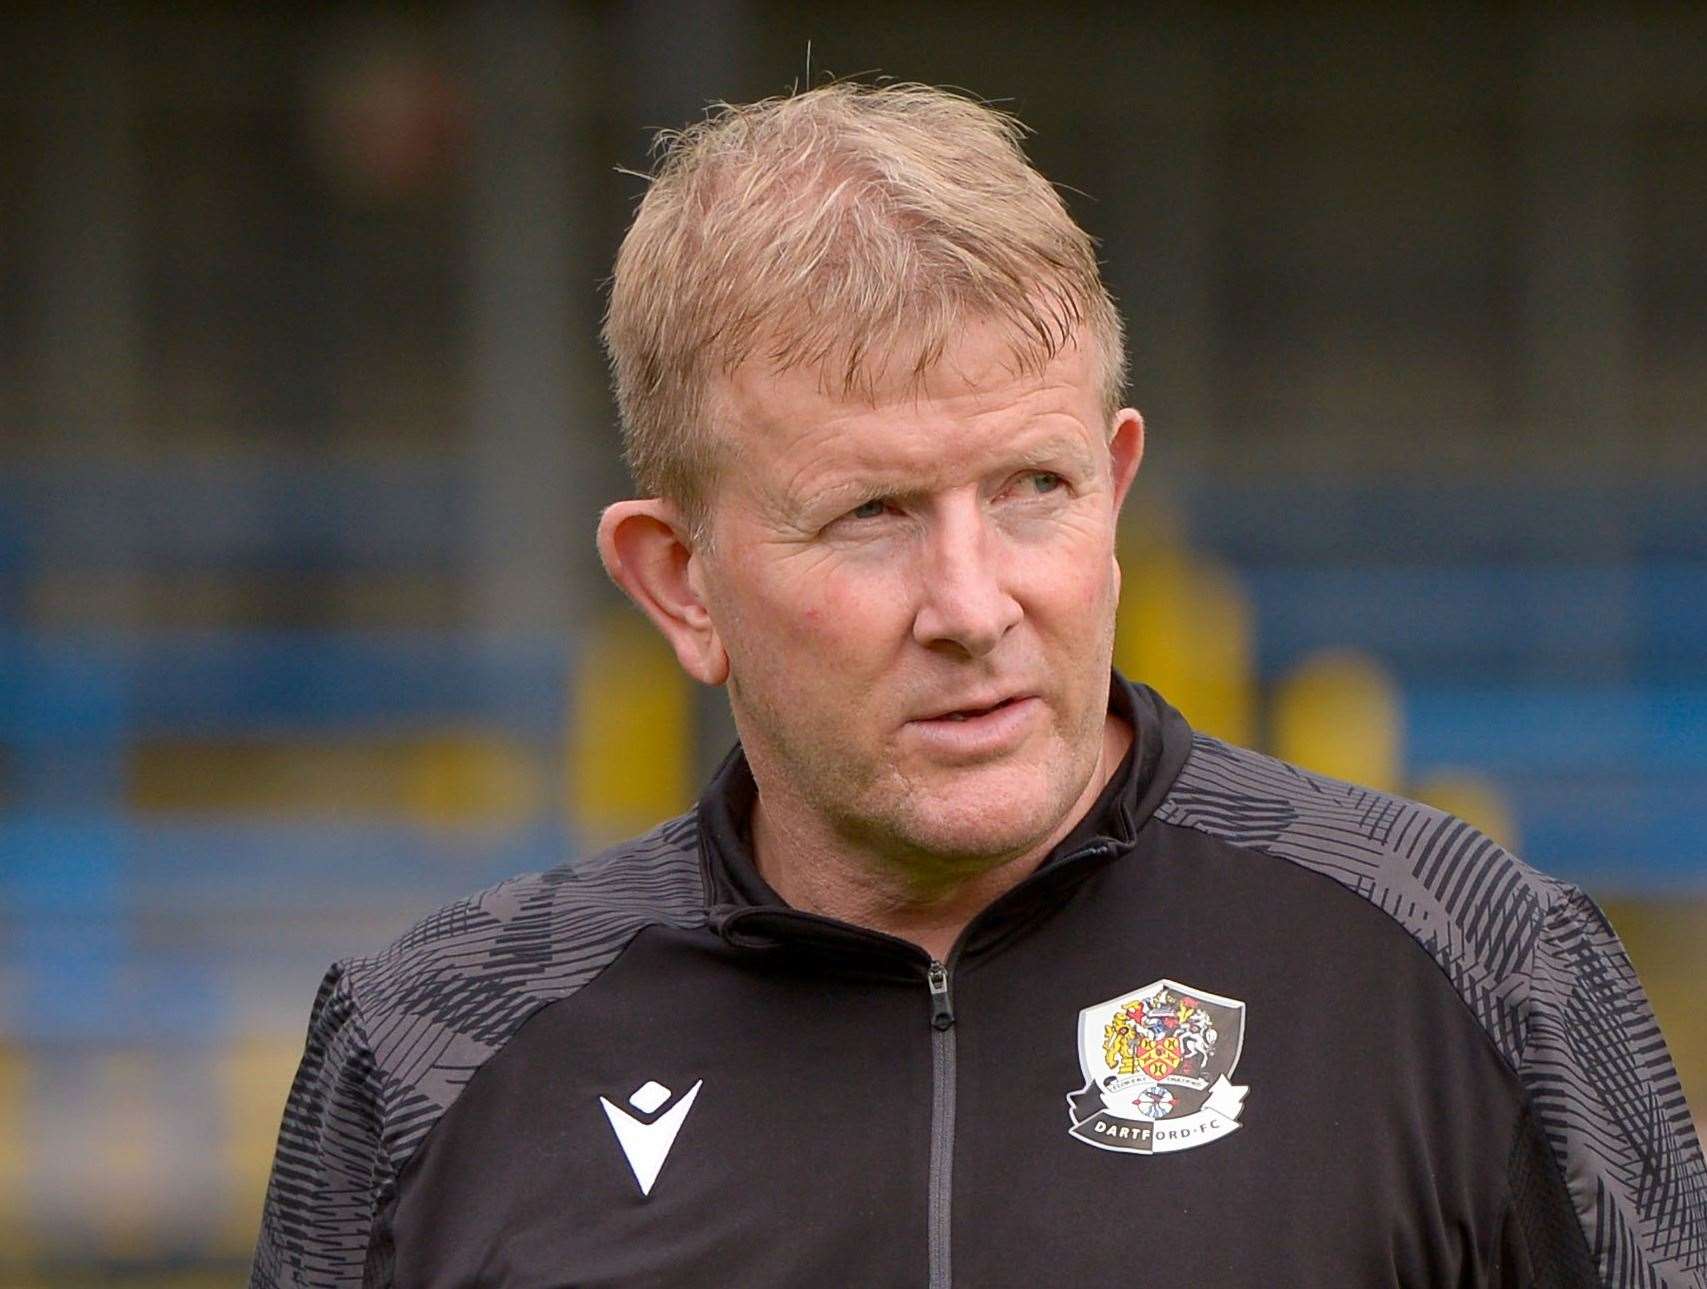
x=917 y=598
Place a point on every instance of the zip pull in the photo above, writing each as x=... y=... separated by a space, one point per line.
x=942 y=1011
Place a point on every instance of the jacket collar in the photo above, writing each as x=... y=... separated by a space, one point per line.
x=1161 y=743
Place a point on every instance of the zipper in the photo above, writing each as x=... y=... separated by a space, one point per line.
x=747 y=926
x=940 y=1212
x=942 y=1013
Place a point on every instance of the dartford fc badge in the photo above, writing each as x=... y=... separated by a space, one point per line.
x=1156 y=1063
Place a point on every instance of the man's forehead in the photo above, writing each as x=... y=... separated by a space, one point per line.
x=980 y=370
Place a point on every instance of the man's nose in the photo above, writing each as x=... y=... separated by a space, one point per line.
x=966 y=602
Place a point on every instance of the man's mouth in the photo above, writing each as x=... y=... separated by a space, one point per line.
x=978 y=730
x=970 y=713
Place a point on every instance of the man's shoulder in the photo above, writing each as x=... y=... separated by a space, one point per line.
x=1477 y=909
x=457 y=984
x=396 y=1036
x=527 y=929
x=651 y=878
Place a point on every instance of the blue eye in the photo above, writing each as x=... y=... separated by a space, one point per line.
x=872 y=509
x=1044 y=481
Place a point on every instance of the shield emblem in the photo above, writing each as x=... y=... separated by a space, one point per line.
x=1157 y=1063
x=1158 y=1058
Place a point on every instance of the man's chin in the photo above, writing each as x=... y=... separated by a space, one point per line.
x=983 y=828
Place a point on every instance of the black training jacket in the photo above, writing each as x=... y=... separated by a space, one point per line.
x=1246 y=1026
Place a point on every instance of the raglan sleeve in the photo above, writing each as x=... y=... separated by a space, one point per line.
x=1604 y=1092
x=329 y=1166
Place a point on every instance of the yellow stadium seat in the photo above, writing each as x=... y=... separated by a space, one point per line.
x=460 y=779
x=630 y=737
x=1339 y=714
x=1185 y=627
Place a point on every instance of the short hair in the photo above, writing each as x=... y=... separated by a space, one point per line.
x=846 y=228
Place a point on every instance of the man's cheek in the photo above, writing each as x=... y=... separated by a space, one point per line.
x=1077 y=593
x=841 y=613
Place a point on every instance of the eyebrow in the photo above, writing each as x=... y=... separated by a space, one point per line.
x=1040 y=455
x=1055 y=449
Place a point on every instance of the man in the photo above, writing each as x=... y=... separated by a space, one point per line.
x=972 y=966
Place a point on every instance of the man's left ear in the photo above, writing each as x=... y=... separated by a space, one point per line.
x=1125 y=451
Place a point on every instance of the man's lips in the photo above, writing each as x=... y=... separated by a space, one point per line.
x=973 y=708
x=974 y=731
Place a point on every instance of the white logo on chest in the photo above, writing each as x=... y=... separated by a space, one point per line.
x=646 y=1142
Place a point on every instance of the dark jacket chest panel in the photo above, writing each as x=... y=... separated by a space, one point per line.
x=1373 y=1138
x=802 y=1155
x=1371 y=1147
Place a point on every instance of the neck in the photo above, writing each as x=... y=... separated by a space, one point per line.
x=925 y=903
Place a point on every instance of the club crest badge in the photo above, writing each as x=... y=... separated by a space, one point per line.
x=1156 y=1064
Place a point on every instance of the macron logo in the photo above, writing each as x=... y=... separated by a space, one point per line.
x=647 y=1142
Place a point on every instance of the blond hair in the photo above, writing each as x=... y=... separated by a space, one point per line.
x=849 y=228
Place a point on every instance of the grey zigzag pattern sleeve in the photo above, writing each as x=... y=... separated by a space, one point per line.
x=395 y=1037
x=331 y=1163
x=1536 y=962
x=1604 y=1087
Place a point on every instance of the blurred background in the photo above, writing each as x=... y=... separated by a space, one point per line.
x=304 y=429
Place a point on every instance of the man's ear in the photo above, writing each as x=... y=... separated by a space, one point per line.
x=647 y=552
x=1125 y=451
